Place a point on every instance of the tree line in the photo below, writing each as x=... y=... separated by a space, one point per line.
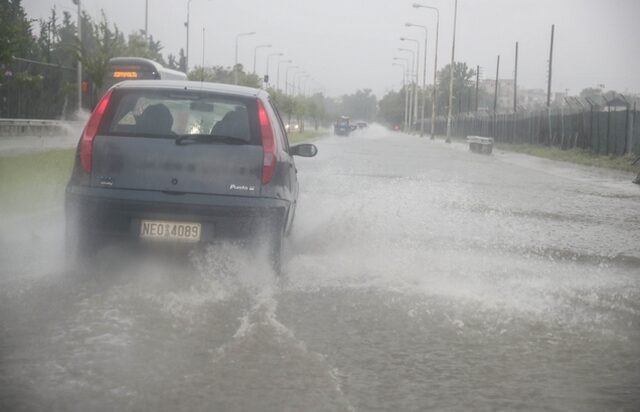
x=38 y=59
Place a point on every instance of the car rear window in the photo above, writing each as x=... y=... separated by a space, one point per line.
x=172 y=113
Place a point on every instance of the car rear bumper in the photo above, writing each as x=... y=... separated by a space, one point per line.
x=117 y=213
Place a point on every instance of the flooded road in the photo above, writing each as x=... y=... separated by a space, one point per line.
x=419 y=276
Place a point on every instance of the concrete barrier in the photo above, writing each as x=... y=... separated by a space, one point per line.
x=32 y=127
x=479 y=144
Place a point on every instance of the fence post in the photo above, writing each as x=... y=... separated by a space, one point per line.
x=627 y=149
x=633 y=123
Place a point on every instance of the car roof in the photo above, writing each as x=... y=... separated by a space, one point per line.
x=229 y=89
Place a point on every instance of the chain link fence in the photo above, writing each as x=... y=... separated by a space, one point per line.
x=611 y=130
x=36 y=90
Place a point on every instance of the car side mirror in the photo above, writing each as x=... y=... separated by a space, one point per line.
x=304 y=150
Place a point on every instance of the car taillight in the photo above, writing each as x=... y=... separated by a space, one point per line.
x=90 y=131
x=268 y=144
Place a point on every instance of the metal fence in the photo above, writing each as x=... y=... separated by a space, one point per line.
x=605 y=131
x=36 y=90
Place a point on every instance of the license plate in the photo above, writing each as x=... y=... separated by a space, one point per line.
x=175 y=231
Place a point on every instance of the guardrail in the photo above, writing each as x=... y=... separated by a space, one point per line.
x=32 y=127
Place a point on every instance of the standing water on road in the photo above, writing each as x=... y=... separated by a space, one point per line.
x=418 y=277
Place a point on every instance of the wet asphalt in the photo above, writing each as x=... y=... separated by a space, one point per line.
x=418 y=276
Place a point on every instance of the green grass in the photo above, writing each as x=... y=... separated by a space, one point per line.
x=577 y=156
x=34 y=181
x=299 y=137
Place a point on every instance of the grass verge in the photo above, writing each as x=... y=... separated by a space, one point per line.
x=299 y=137
x=32 y=181
x=577 y=156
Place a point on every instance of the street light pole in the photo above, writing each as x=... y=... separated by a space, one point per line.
x=406 y=92
x=235 y=64
x=186 y=57
x=187 y=25
x=146 y=19
x=286 y=78
x=303 y=86
x=278 y=72
x=296 y=82
x=404 y=87
x=424 y=74
x=79 y=71
x=255 y=54
x=409 y=92
x=269 y=58
x=415 y=86
x=453 y=50
x=434 y=93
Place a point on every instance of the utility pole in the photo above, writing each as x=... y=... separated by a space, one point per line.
x=515 y=83
x=495 y=91
x=550 y=67
x=477 y=85
x=453 y=49
x=187 y=26
x=146 y=19
x=407 y=105
x=424 y=81
x=79 y=74
x=203 y=44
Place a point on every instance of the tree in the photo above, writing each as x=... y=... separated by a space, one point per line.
x=102 y=44
x=182 y=61
x=141 y=46
x=15 y=32
x=463 y=90
x=219 y=74
x=391 y=107
x=360 y=105
x=316 y=109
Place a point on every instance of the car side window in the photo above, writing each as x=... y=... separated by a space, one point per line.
x=281 y=130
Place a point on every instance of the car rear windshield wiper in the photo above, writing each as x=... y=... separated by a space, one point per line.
x=186 y=139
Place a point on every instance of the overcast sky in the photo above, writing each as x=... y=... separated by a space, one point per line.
x=349 y=44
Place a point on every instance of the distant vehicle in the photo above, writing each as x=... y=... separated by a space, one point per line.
x=182 y=162
x=362 y=125
x=342 y=127
x=136 y=68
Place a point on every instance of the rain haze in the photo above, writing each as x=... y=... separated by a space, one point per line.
x=340 y=238
x=348 y=45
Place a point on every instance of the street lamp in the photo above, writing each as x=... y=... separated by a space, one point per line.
x=79 y=71
x=295 y=83
x=451 y=68
x=424 y=73
x=235 y=64
x=435 y=68
x=411 y=74
x=304 y=82
x=286 y=78
x=269 y=58
x=453 y=50
x=187 y=26
x=255 y=53
x=415 y=86
x=407 y=96
x=278 y=72
x=146 y=19
x=404 y=87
